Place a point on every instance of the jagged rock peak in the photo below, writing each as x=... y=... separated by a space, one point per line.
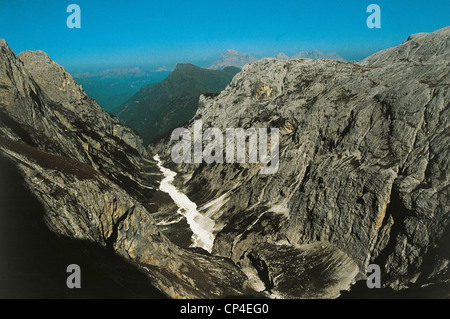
x=37 y=55
x=59 y=85
x=317 y=55
x=5 y=49
x=362 y=166
x=232 y=58
x=281 y=56
x=34 y=89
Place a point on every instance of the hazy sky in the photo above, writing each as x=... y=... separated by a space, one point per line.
x=155 y=33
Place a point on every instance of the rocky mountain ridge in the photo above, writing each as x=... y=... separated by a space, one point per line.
x=93 y=185
x=317 y=55
x=238 y=59
x=363 y=169
x=232 y=58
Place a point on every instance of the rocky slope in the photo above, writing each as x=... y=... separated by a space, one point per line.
x=363 y=171
x=86 y=180
x=237 y=59
x=158 y=108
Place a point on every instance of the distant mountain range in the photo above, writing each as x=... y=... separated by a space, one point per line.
x=110 y=88
x=317 y=55
x=238 y=59
x=113 y=87
x=159 y=107
x=232 y=58
x=116 y=73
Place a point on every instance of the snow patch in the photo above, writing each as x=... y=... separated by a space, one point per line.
x=200 y=225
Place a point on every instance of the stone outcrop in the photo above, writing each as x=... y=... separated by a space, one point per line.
x=317 y=55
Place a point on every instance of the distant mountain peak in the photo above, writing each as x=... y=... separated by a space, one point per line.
x=232 y=58
x=281 y=56
x=38 y=54
x=163 y=69
x=231 y=51
x=318 y=55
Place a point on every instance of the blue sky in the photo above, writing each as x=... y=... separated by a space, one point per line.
x=153 y=33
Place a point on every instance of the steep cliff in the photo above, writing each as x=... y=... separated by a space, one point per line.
x=90 y=182
x=363 y=170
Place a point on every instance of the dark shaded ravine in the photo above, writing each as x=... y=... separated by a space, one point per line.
x=33 y=260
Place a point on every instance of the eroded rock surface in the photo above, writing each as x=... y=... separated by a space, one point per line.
x=364 y=163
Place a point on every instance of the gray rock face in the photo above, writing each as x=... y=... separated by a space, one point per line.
x=232 y=58
x=92 y=179
x=364 y=164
